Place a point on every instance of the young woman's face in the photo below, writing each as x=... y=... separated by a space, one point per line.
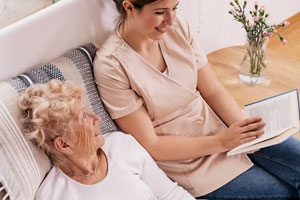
x=155 y=18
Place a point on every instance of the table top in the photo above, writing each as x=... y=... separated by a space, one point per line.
x=283 y=74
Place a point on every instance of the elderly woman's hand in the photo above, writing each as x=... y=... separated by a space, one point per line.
x=242 y=132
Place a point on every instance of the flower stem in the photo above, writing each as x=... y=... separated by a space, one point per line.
x=255 y=51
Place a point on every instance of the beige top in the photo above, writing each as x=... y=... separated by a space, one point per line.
x=126 y=81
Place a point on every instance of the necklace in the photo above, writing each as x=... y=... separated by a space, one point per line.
x=86 y=175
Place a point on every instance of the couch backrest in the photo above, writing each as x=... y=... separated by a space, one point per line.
x=51 y=32
x=62 y=26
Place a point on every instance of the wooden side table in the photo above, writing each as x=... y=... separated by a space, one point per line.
x=283 y=74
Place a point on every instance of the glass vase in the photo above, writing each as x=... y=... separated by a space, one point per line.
x=253 y=67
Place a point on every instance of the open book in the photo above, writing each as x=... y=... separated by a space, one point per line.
x=281 y=114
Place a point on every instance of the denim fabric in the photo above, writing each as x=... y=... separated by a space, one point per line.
x=275 y=175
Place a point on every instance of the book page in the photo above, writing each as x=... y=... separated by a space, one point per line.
x=277 y=115
x=280 y=113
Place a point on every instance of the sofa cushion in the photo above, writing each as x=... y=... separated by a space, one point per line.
x=23 y=165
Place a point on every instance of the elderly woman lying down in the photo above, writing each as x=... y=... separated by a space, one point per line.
x=88 y=165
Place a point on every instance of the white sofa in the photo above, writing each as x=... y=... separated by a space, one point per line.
x=41 y=47
x=62 y=26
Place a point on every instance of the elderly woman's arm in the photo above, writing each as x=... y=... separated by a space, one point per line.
x=161 y=186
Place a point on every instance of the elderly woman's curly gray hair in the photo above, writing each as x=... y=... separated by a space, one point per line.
x=51 y=110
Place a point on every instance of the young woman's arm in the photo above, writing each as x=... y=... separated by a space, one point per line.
x=173 y=147
x=217 y=96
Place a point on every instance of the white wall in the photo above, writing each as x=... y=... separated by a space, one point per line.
x=217 y=29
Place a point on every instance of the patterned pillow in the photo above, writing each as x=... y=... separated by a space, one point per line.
x=23 y=165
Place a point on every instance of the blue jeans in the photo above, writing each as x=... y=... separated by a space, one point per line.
x=275 y=175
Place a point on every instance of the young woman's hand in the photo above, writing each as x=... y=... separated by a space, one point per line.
x=242 y=132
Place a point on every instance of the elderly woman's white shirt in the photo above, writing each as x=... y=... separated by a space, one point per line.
x=132 y=175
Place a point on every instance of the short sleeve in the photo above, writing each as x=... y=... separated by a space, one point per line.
x=184 y=29
x=114 y=87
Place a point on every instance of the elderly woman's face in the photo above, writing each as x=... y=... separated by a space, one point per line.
x=88 y=130
x=155 y=18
